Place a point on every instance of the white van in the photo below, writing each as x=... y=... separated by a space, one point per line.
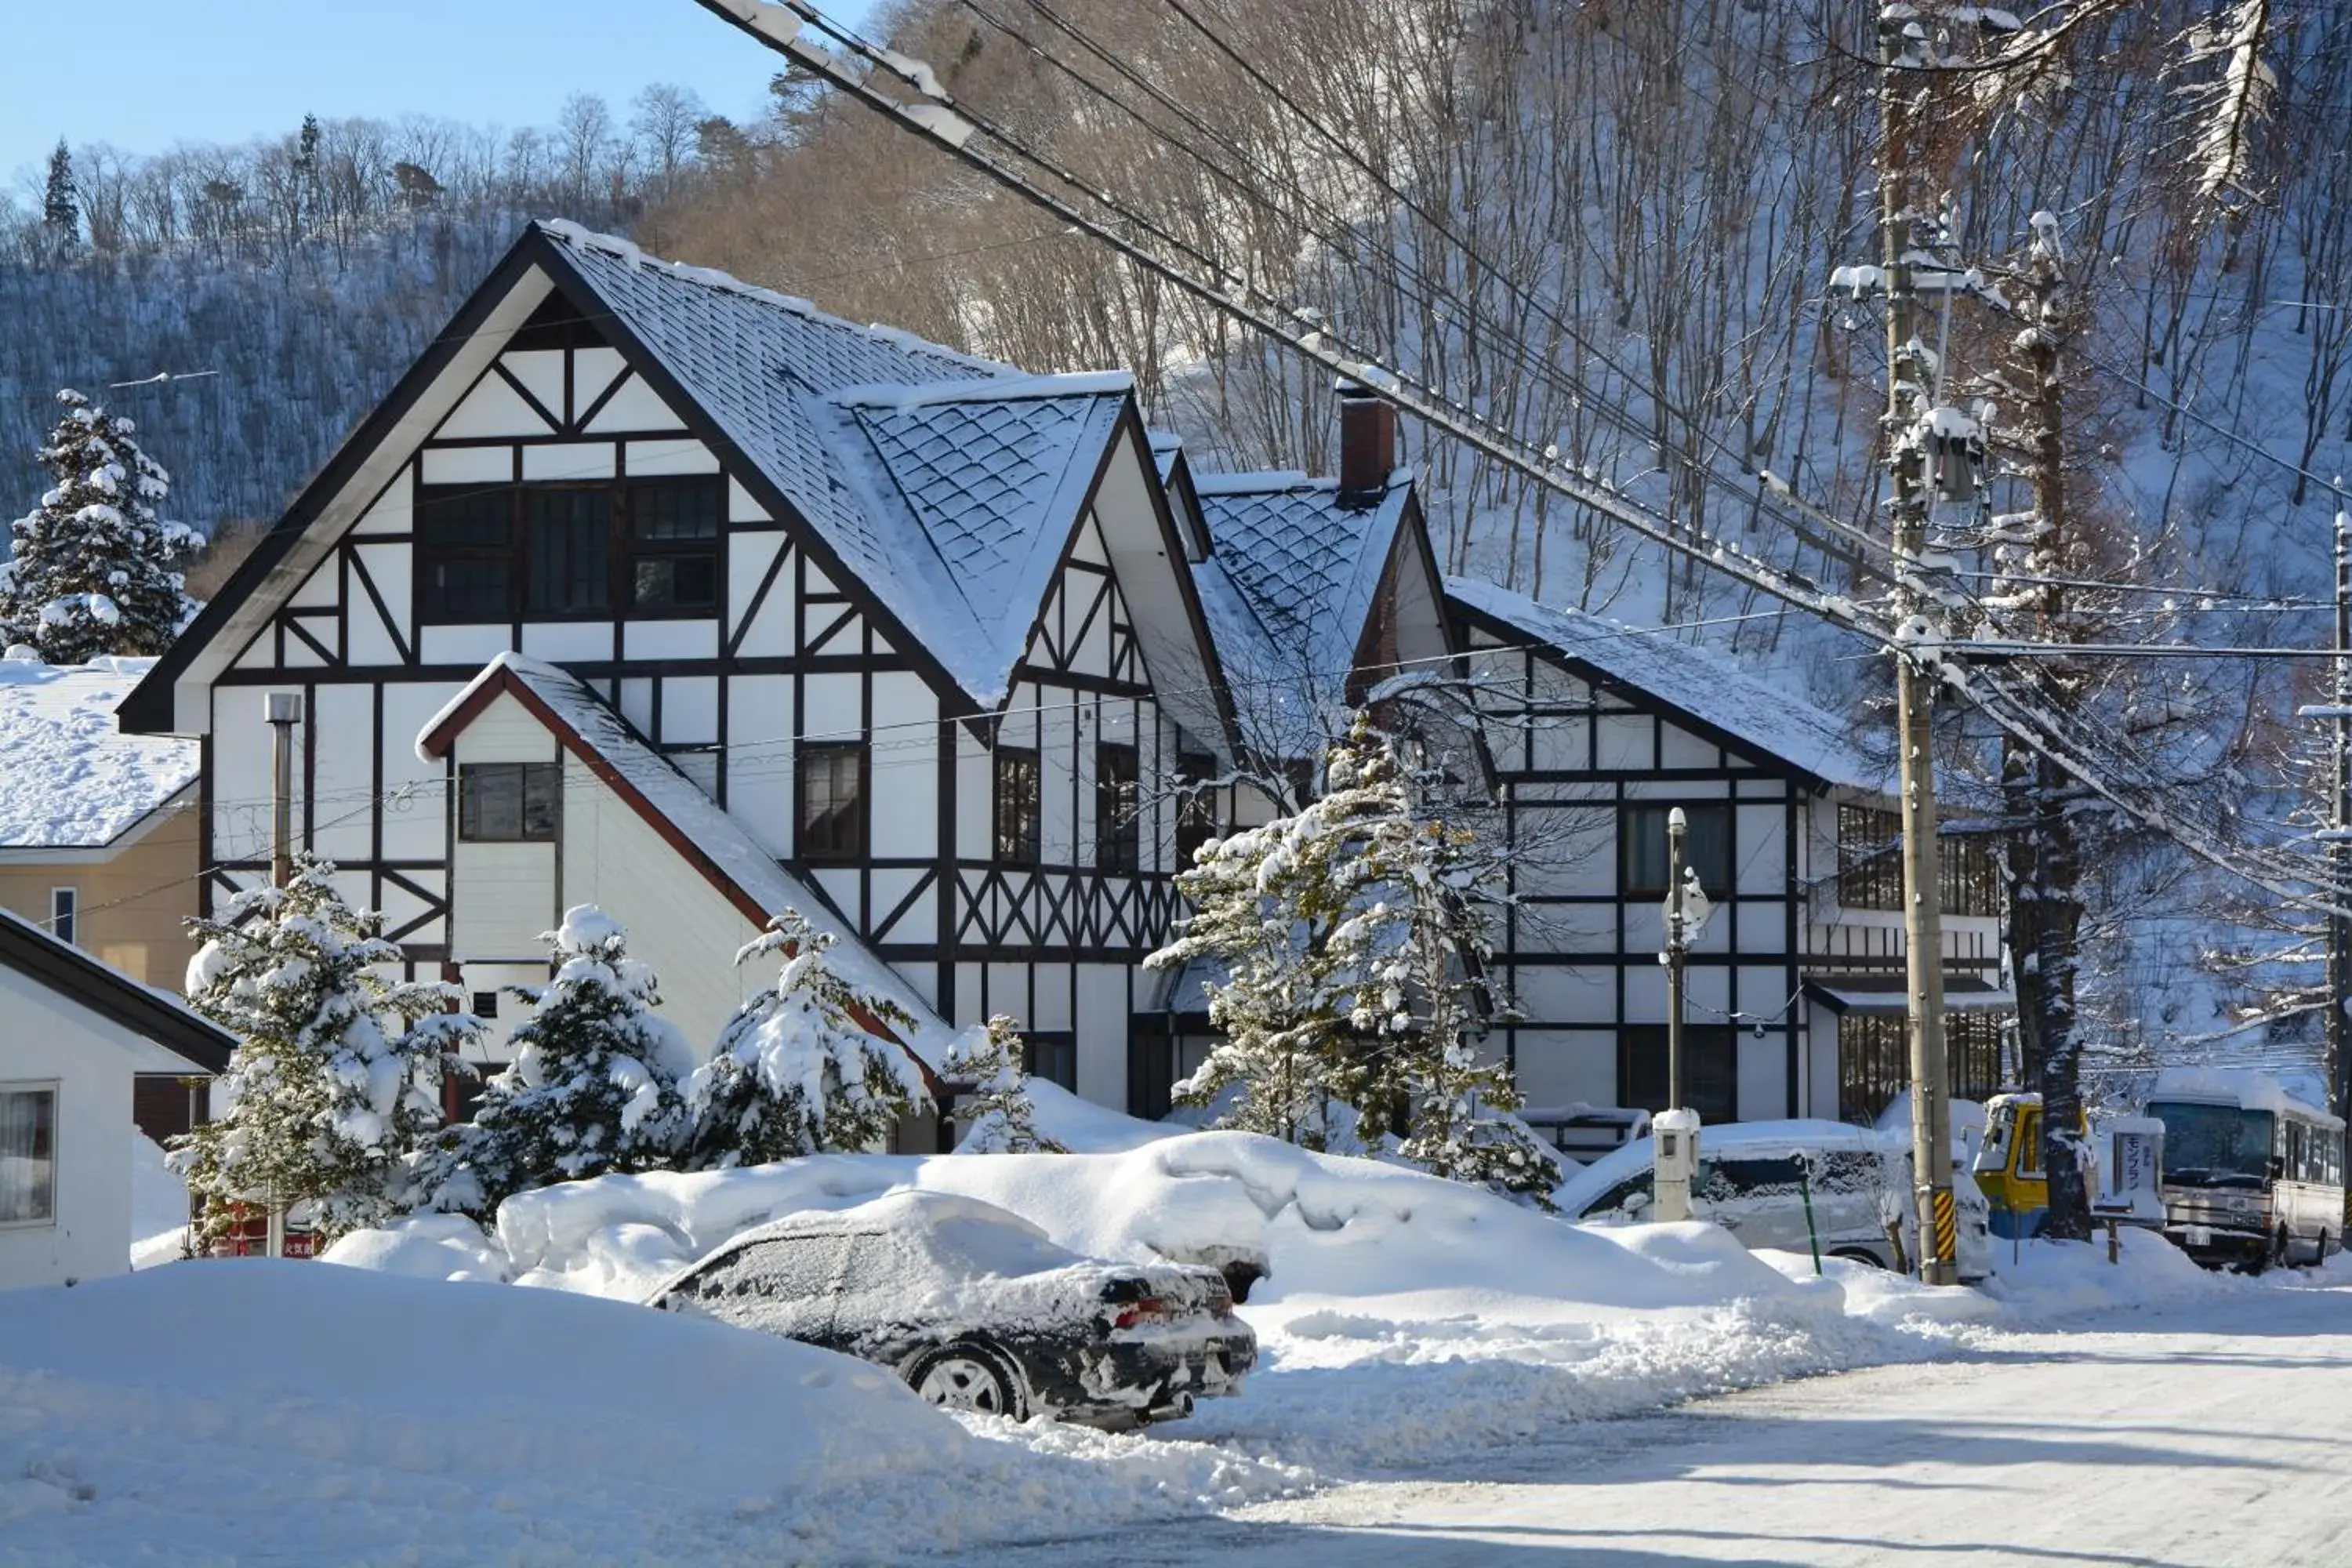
x=1755 y=1180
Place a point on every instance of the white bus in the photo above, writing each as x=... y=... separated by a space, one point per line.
x=2252 y=1176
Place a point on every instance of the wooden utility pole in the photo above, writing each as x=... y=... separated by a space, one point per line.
x=2339 y=840
x=1906 y=383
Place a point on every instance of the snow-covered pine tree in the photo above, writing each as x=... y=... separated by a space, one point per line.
x=91 y=571
x=337 y=1073
x=1351 y=939
x=996 y=1111
x=801 y=1068
x=594 y=1088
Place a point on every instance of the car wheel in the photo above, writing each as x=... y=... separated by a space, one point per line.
x=1860 y=1254
x=2283 y=1256
x=968 y=1376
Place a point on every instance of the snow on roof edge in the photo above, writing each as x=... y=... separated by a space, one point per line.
x=564 y=231
x=904 y=397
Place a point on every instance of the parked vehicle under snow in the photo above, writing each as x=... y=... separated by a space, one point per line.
x=978 y=1311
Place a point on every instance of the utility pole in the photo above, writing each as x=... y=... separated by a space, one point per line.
x=2339 y=840
x=284 y=711
x=1906 y=380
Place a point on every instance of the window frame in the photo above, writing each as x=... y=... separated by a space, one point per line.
x=1196 y=804
x=53 y=1091
x=550 y=772
x=1869 y=858
x=1119 y=808
x=832 y=752
x=65 y=914
x=1025 y=838
x=1063 y=1044
x=1646 y=1043
x=1629 y=812
x=623 y=497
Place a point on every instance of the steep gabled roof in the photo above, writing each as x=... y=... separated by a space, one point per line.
x=705 y=837
x=1759 y=717
x=937 y=485
x=993 y=476
x=1301 y=571
x=65 y=968
x=74 y=781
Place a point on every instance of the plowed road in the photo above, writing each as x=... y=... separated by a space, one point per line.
x=2217 y=1434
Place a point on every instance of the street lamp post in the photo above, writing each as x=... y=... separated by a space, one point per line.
x=1674 y=1134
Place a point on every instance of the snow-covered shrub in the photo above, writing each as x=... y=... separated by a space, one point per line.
x=804 y=1066
x=594 y=1088
x=91 y=571
x=998 y=1117
x=337 y=1073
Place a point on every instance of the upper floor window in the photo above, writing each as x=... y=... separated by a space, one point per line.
x=1870 y=858
x=1117 y=808
x=832 y=801
x=1196 y=806
x=1643 y=851
x=1870 y=866
x=65 y=914
x=1018 y=805
x=645 y=547
x=507 y=803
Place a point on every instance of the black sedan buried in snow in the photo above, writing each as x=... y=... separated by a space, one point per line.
x=978 y=1311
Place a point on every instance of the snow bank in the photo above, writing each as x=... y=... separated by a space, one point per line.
x=1085 y=1128
x=232 y=1412
x=159 y=1205
x=1403 y=1313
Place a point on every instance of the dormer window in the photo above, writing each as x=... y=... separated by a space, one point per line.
x=569 y=551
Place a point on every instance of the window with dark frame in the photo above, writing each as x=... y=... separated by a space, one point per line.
x=1642 y=851
x=508 y=803
x=65 y=915
x=1196 y=806
x=1053 y=1055
x=641 y=547
x=832 y=801
x=1968 y=875
x=1019 y=806
x=1710 y=1069
x=1118 y=836
x=1870 y=858
x=1875 y=1059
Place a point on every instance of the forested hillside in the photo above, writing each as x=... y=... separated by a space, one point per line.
x=1610 y=227
x=304 y=272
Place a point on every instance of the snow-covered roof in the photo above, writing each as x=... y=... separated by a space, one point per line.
x=993 y=476
x=74 y=781
x=2251 y=1088
x=1755 y=711
x=937 y=479
x=1295 y=571
x=1889 y=992
x=153 y=1015
x=753 y=877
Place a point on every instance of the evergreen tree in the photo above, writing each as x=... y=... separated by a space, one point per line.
x=802 y=1068
x=91 y=571
x=594 y=1089
x=338 y=1071
x=1352 y=948
x=59 y=215
x=996 y=1112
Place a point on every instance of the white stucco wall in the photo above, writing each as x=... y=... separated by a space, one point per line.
x=47 y=1039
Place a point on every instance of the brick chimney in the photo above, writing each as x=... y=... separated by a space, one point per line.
x=1368 y=444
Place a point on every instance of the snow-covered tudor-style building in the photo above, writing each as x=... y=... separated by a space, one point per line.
x=648 y=588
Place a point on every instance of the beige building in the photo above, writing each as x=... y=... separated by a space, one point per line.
x=98 y=831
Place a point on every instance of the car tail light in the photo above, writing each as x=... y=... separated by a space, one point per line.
x=1150 y=1309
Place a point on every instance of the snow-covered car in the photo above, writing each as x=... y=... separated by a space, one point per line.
x=1755 y=1179
x=976 y=1309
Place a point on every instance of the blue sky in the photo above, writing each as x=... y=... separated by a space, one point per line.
x=142 y=74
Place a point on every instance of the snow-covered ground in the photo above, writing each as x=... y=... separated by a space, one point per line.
x=1410 y=1328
